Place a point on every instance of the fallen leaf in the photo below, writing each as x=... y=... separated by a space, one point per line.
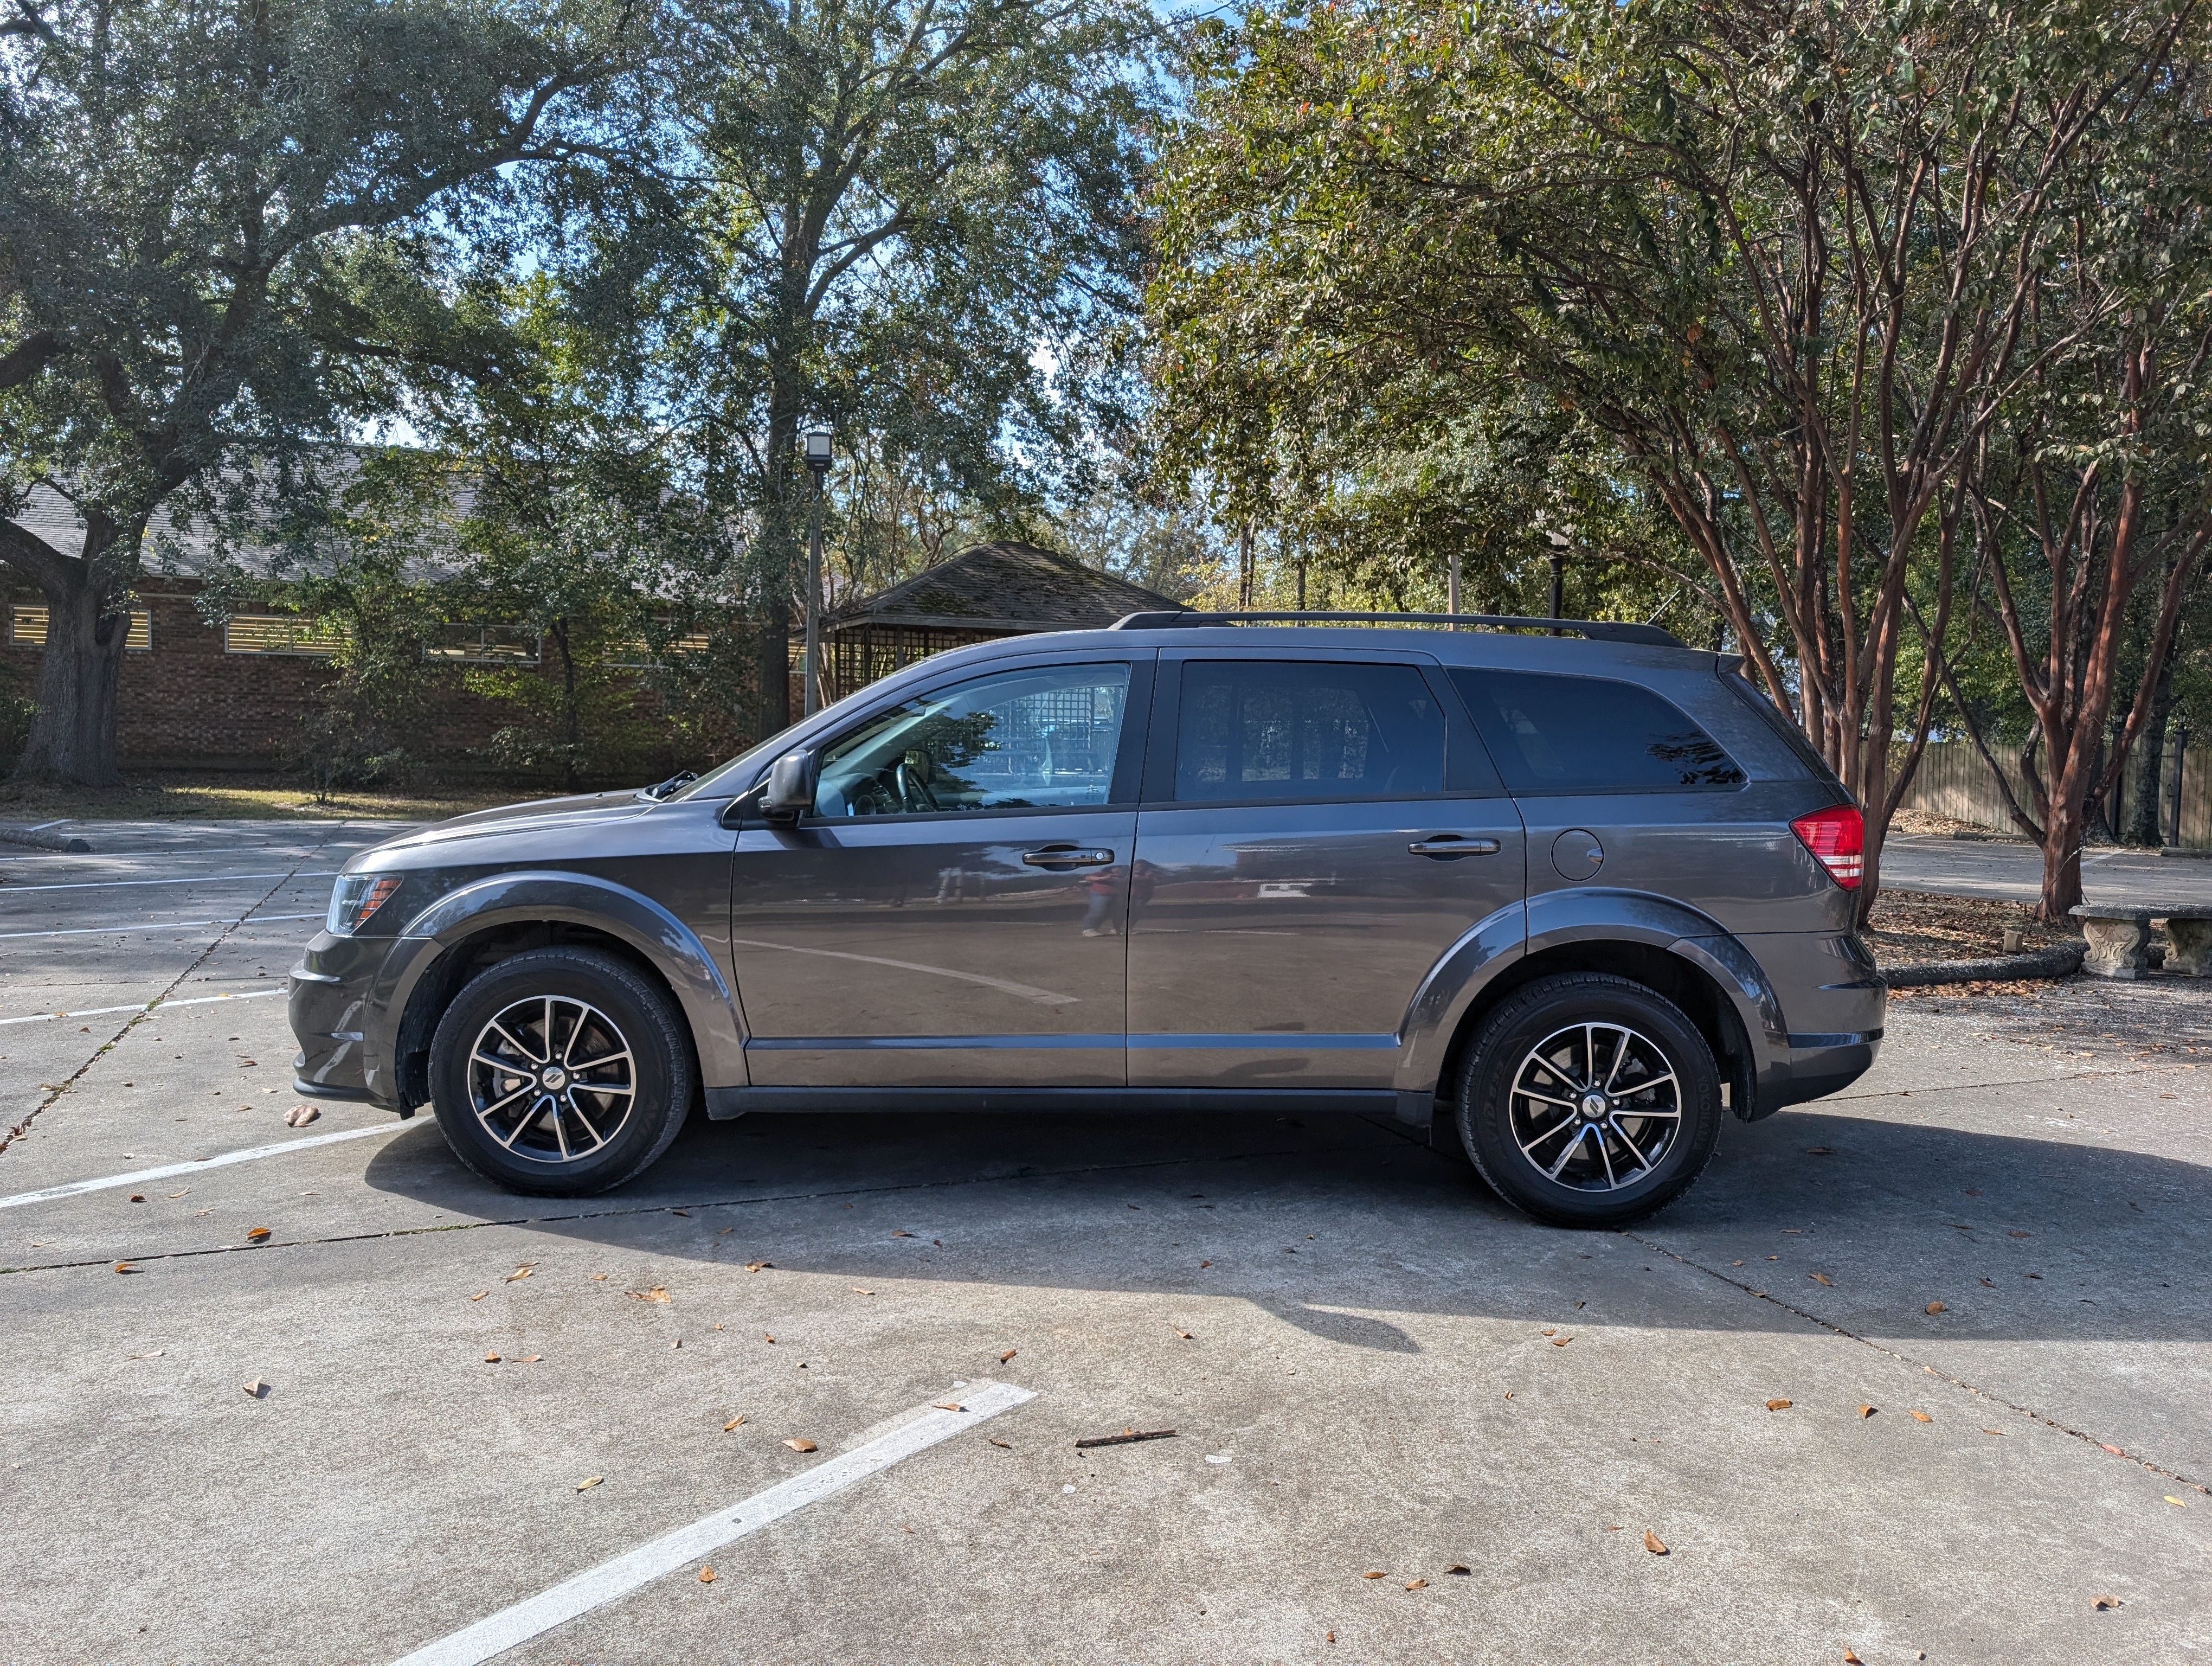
x=1551 y=1333
x=1850 y=1659
x=1007 y=1355
x=1006 y=1445
x=530 y=1358
x=948 y=1405
x=598 y=1278
x=1821 y=1278
x=901 y=1233
x=658 y=1293
x=2175 y=1502
x=1330 y=1638
x=2015 y=1234
x=257 y=1390
x=1376 y=1573
x=706 y=1574
x=589 y=1482
x=2113 y=1450
x=491 y=1358
x=300 y=1115
x=521 y=1272
x=726 y=1231
x=480 y=1295
x=187 y=1189
x=1417 y=1584
x=1819 y=1151
x=758 y=1266
x=1185 y=1334
x=255 y=1234
x=1208 y=1264
x=1561 y=1341
x=1921 y=1417
x=857 y=1291
x=1779 y=1405
x=799 y=1445
x=1651 y=1543
x=126 y=1267
x=686 y=1213
x=137 y=1197
x=1866 y=1411
x=2102 y=1603
x=1936 y=1307
x=1508 y=1394
x=1457 y=1567
x=765 y=1337
x=733 y=1423
x=155 y=1354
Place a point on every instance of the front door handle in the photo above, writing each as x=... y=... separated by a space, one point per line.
x=1067 y=856
x=1453 y=844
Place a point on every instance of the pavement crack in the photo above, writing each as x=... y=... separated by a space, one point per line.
x=1974 y=1388
x=151 y=1007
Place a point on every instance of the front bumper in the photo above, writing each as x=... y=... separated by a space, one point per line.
x=330 y=1012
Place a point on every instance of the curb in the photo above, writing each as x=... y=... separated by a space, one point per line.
x=2187 y=852
x=37 y=838
x=2062 y=960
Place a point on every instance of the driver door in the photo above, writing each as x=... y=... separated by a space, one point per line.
x=951 y=912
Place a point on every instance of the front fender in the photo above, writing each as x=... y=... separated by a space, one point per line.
x=1559 y=919
x=582 y=899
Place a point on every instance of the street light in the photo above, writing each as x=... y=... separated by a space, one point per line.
x=815 y=444
x=1558 y=542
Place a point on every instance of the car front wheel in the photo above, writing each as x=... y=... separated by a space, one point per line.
x=560 y=1071
x=1589 y=1100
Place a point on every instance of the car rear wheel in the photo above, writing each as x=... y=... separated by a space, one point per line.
x=1588 y=1100
x=561 y=1073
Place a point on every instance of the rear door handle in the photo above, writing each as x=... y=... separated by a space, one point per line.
x=1453 y=844
x=1067 y=856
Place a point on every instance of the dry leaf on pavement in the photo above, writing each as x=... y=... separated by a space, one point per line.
x=1866 y=1411
x=733 y=1423
x=1376 y=1573
x=491 y=1358
x=947 y=1406
x=1181 y=1332
x=758 y=1266
x=521 y=1272
x=1007 y=1355
x=1417 y=1584
x=1457 y=1567
x=2015 y=1234
x=187 y=1189
x=901 y=1233
x=1936 y=1307
x=2175 y=1502
x=589 y=1482
x=1561 y=1341
x=1850 y=1659
x=2103 y=1603
x=658 y=1293
x=480 y=1295
x=1821 y=1278
x=126 y=1267
x=1651 y=1542
x=137 y=1197
x=797 y=1444
x=1779 y=1405
x=707 y=1575
x=857 y=1291
x=255 y=1234
x=530 y=1358
x=257 y=1390
x=1921 y=1417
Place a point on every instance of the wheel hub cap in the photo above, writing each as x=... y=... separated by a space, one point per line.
x=1596 y=1107
x=552 y=1079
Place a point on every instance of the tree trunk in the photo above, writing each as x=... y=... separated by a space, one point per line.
x=2061 y=863
x=72 y=736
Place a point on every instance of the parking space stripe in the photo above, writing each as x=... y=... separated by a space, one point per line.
x=162 y=925
x=142 y=1006
x=190 y=879
x=170 y=1170
x=596 y=1587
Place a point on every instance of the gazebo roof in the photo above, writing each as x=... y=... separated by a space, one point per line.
x=1004 y=588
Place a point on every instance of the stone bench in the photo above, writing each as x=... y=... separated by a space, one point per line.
x=2119 y=938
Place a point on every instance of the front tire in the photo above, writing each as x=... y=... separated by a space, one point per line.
x=561 y=1073
x=1588 y=1100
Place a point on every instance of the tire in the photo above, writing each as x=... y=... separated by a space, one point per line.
x=1573 y=1160
x=539 y=1119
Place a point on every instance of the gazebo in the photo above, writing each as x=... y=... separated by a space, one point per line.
x=1002 y=588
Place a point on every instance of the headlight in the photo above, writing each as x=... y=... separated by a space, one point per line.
x=355 y=897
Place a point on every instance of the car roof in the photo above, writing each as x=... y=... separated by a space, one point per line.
x=1506 y=649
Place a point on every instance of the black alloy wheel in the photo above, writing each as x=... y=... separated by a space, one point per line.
x=1589 y=1100
x=560 y=1071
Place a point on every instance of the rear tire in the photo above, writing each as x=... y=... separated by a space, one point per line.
x=1589 y=1100
x=560 y=1071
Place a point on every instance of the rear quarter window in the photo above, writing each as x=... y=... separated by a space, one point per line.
x=1549 y=733
x=1783 y=730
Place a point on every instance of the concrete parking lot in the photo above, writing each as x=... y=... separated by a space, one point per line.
x=1978 y=1280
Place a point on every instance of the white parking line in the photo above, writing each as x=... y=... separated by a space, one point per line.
x=190 y=879
x=598 y=1586
x=160 y=926
x=170 y=1170
x=142 y=1006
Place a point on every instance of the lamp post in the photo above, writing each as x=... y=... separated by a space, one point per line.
x=816 y=444
x=1558 y=542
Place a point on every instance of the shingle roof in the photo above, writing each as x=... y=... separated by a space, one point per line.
x=1005 y=586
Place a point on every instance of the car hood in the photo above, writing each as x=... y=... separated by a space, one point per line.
x=548 y=816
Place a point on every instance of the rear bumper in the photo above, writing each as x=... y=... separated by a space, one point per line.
x=1818 y=1065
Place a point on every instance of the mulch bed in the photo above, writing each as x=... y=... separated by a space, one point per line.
x=1912 y=925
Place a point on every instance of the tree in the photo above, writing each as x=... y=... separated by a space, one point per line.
x=177 y=181
x=1780 y=255
x=908 y=218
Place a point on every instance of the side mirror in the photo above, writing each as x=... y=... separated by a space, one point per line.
x=790 y=792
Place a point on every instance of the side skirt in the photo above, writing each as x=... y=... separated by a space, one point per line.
x=724 y=1103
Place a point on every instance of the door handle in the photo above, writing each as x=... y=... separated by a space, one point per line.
x=1453 y=844
x=1067 y=856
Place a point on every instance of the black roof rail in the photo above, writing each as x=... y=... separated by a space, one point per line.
x=1597 y=631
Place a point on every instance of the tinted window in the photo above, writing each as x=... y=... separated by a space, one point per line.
x=1016 y=740
x=1306 y=729
x=1783 y=730
x=1588 y=734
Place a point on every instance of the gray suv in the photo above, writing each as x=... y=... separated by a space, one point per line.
x=1564 y=899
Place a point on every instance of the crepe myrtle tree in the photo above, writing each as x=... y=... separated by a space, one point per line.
x=180 y=182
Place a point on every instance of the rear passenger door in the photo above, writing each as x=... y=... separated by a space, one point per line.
x=1317 y=830
x=1620 y=788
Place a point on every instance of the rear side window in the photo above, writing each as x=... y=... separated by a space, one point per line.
x=1783 y=730
x=1306 y=729
x=1590 y=735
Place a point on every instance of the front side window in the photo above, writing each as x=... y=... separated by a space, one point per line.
x=1043 y=739
x=1590 y=735
x=1306 y=729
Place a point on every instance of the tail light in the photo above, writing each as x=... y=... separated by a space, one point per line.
x=1836 y=838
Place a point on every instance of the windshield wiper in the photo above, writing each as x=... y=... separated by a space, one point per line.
x=661 y=789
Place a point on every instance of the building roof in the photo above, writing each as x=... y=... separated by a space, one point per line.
x=1003 y=587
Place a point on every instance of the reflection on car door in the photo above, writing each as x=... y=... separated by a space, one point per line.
x=952 y=914
x=1317 y=831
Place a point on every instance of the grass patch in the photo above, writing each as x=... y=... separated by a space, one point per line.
x=223 y=797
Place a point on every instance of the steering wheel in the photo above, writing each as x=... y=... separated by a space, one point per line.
x=912 y=779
